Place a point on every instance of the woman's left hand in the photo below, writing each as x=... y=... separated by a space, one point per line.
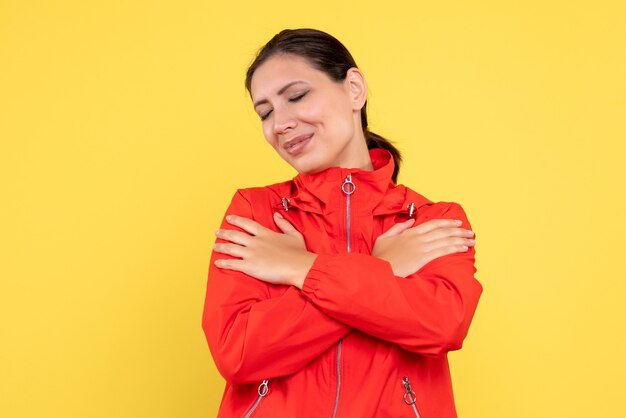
x=264 y=254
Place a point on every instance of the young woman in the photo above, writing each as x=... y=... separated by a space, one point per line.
x=337 y=293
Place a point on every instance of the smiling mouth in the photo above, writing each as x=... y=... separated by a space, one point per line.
x=295 y=145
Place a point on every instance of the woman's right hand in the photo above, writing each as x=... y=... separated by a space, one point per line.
x=409 y=249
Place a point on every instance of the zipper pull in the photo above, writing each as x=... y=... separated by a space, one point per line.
x=285 y=201
x=348 y=187
x=263 y=388
x=411 y=208
x=409 y=395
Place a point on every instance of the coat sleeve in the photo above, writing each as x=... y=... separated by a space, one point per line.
x=428 y=312
x=254 y=336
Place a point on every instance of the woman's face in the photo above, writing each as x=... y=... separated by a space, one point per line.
x=312 y=121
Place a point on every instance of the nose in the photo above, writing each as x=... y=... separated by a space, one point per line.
x=283 y=121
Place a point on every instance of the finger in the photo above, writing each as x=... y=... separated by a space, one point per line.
x=230 y=249
x=246 y=224
x=284 y=225
x=447 y=250
x=230 y=264
x=234 y=236
x=398 y=228
x=437 y=223
x=442 y=233
x=451 y=242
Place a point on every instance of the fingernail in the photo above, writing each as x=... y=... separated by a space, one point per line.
x=229 y=218
x=218 y=232
x=472 y=241
x=458 y=222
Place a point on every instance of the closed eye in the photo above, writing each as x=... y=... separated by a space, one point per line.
x=298 y=97
x=293 y=99
x=265 y=115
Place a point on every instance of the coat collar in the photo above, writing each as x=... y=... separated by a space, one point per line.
x=375 y=191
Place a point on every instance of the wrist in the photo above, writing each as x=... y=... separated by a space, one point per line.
x=303 y=268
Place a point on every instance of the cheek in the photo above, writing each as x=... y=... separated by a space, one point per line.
x=338 y=124
x=333 y=114
x=269 y=135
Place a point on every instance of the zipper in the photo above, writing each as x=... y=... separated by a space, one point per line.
x=409 y=396
x=347 y=187
x=262 y=391
x=338 y=378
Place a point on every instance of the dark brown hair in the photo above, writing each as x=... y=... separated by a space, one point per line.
x=327 y=54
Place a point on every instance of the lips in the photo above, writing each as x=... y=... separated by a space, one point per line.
x=295 y=145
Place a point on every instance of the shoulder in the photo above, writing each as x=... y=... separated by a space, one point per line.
x=427 y=209
x=264 y=194
x=259 y=201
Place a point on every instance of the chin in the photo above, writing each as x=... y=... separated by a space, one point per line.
x=307 y=167
x=305 y=164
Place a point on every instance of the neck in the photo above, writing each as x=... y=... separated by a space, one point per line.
x=356 y=155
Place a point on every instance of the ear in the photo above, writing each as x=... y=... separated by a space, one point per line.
x=355 y=82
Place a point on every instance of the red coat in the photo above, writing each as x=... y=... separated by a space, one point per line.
x=356 y=341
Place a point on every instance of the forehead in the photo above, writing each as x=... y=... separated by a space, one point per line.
x=280 y=70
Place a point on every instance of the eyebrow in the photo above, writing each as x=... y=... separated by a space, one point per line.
x=281 y=91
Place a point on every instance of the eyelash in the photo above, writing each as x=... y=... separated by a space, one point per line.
x=298 y=97
x=292 y=100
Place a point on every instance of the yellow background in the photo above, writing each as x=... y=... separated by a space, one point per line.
x=125 y=129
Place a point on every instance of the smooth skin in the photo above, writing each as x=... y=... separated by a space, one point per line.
x=283 y=258
x=295 y=100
